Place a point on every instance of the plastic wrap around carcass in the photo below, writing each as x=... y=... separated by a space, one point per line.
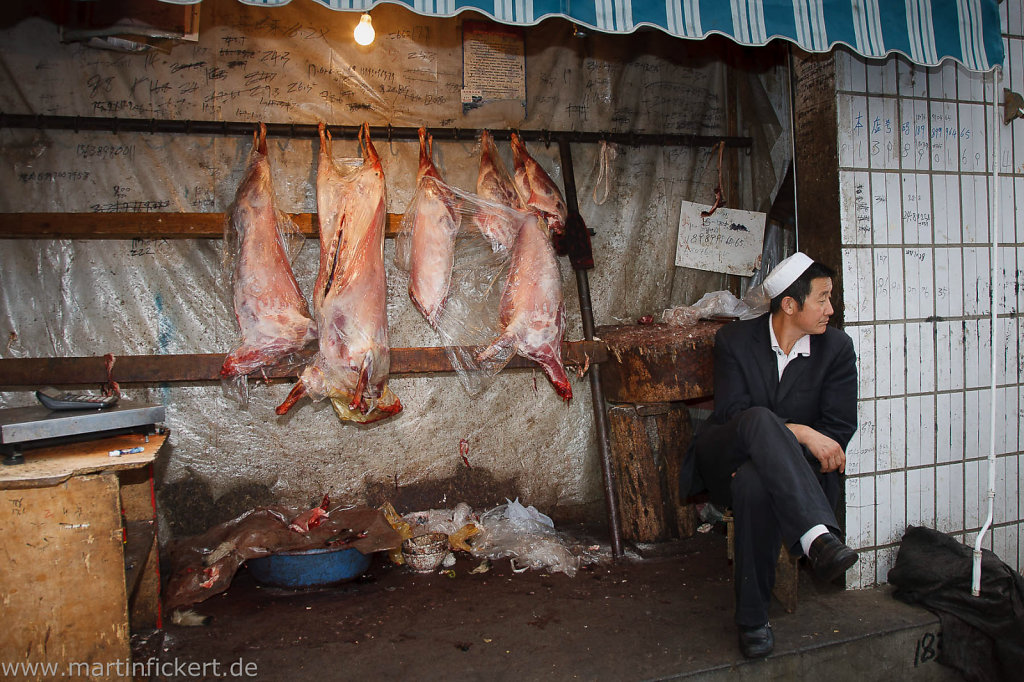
x=353 y=361
x=537 y=188
x=260 y=241
x=468 y=320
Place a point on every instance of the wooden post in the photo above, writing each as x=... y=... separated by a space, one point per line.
x=648 y=444
x=675 y=430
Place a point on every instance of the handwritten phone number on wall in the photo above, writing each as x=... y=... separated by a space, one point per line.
x=105 y=151
x=53 y=176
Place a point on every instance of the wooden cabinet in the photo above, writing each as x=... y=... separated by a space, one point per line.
x=78 y=556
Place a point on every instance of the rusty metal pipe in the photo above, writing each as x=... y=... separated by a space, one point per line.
x=309 y=130
x=596 y=391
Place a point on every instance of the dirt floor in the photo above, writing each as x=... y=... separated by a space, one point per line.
x=659 y=617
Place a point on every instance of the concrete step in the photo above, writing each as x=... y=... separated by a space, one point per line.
x=852 y=636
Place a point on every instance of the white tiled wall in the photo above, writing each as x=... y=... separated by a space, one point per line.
x=915 y=157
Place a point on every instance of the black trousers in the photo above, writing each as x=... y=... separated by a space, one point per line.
x=777 y=494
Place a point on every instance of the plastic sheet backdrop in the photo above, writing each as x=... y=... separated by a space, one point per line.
x=298 y=64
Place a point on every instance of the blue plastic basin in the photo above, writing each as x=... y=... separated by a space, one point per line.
x=309 y=568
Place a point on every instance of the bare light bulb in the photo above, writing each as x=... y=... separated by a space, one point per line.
x=364 y=30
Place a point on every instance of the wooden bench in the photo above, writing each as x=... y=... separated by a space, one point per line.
x=787 y=567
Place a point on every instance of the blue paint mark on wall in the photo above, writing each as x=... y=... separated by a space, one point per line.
x=164 y=326
x=164 y=336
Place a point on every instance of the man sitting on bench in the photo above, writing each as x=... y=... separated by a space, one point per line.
x=785 y=410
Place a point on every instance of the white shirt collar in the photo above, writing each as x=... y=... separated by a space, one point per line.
x=801 y=347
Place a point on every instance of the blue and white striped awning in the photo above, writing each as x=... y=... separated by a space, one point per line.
x=926 y=31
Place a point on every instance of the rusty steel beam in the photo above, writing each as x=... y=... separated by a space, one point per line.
x=199 y=367
x=601 y=427
x=141 y=225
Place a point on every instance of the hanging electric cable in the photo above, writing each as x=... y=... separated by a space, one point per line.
x=994 y=297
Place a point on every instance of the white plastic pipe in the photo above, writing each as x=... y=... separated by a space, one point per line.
x=994 y=230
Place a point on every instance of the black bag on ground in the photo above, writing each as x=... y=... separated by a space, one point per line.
x=934 y=570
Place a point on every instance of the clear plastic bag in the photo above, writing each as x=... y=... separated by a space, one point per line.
x=515 y=511
x=447 y=521
x=467 y=321
x=681 y=316
x=458 y=524
x=525 y=536
x=713 y=304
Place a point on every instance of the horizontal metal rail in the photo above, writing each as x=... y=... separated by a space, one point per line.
x=199 y=367
x=308 y=130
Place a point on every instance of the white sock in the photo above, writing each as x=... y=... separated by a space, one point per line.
x=807 y=538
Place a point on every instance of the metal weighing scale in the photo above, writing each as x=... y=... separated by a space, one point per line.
x=36 y=426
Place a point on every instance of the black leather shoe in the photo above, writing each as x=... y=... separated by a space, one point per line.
x=758 y=641
x=830 y=558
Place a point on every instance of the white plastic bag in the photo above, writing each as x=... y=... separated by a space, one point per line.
x=527 y=537
x=713 y=304
x=515 y=511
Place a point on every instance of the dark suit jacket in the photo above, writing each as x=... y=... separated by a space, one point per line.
x=819 y=391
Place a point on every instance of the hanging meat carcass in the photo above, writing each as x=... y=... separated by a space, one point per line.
x=351 y=367
x=271 y=311
x=435 y=223
x=532 y=310
x=493 y=183
x=537 y=188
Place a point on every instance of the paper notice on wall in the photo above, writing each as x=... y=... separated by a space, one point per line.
x=729 y=240
x=493 y=63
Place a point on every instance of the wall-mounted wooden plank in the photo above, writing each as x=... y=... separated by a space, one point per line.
x=131 y=369
x=140 y=225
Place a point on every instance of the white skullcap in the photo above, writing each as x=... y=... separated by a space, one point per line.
x=785 y=273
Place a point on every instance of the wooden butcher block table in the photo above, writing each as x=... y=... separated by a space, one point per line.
x=652 y=372
x=79 y=555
